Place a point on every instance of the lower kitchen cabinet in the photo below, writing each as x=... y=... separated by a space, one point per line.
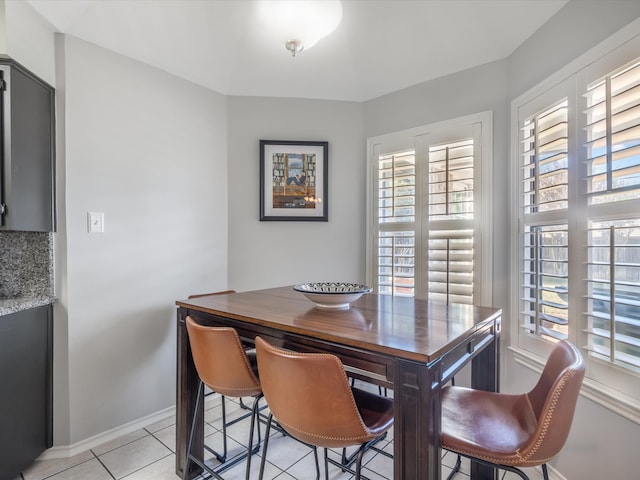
x=26 y=388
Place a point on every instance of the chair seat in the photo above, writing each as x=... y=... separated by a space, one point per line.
x=376 y=411
x=491 y=426
x=377 y=417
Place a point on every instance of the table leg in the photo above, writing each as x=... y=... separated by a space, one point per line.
x=485 y=376
x=186 y=396
x=417 y=427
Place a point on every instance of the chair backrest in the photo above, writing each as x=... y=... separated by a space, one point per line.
x=553 y=401
x=221 y=361
x=310 y=397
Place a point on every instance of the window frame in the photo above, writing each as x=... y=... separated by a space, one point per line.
x=418 y=139
x=606 y=57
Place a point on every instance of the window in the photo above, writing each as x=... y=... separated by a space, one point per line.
x=427 y=206
x=578 y=211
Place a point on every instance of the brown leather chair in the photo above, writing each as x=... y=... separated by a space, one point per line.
x=222 y=457
x=310 y=397
x=510 y=431
x=223 y=365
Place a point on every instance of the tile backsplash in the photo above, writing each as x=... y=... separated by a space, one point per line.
x=26 y=264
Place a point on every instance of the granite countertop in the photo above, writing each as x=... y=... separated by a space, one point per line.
x=13 y=305
x=26 y=271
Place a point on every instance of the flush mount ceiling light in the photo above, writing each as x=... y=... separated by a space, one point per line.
x=299 y=24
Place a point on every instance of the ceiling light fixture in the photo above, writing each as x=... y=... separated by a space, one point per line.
x=300 y=24
x=294 y=46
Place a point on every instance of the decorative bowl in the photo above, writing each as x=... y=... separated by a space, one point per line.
x=332 y=294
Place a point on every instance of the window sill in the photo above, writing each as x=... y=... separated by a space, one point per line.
x=595 y=391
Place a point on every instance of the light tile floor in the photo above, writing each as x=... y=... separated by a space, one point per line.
x=149 y=454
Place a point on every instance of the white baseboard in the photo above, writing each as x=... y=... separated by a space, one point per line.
x=66 y=451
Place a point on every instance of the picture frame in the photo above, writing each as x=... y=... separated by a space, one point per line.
x=294 y=181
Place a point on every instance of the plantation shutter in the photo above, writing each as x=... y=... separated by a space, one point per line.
x=451 y=222
x=544 y=242
x=613 y=185
x=396 y=223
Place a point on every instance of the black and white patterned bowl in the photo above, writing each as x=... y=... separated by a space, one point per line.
x=332 y=294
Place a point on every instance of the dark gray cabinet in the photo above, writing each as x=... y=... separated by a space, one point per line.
x=26 y=389
x=27 y=154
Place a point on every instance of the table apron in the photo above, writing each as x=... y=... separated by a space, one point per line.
x=465 y=351
x=359 y=363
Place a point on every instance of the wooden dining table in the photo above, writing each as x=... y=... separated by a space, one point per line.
x=410 y=345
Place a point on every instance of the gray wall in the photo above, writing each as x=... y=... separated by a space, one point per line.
x=575 y=29
x=267 y=254
x=150 y=151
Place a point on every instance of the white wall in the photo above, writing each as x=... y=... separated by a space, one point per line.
x=268 y=254
x=29 y=39
x=149 y=150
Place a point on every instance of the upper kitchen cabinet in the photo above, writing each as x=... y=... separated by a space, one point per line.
x=27 y=161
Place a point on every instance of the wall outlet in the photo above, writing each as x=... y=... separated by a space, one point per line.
x=95 y=222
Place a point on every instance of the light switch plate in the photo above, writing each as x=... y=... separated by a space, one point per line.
x=95 y=222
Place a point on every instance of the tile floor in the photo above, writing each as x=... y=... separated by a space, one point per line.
x=149 y=454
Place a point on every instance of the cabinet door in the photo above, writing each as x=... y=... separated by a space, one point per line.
x=28 y=133
x=26 y=428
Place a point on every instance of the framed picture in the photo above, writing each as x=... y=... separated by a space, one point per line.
x=294 y=182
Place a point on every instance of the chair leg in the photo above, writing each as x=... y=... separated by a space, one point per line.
x=456 y=468
x=224 y=432
x=257 y=420
x=221 y=457
x=190 y=458
x=243 y=405
x=264 y=448
x=315 y=456
x=359 y=462
x=346 y=462
x=254 y=420
x=326 y=464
